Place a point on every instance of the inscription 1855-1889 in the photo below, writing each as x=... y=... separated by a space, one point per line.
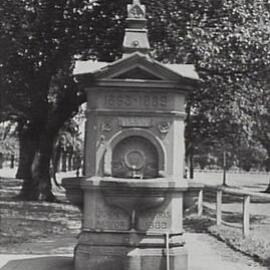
x=136 y=100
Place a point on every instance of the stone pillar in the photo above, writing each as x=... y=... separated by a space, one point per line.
x=133 y=181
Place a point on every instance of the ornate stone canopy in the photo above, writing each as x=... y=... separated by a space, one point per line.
x=136 y=38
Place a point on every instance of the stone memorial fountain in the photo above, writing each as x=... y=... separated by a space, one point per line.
x=131 y=193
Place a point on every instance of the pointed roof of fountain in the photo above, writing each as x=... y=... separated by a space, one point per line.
x=130 y=62
x=136 y=34
x=136 y=63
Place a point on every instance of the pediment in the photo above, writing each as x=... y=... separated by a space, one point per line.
x=139 y=67
x=136 y=66
x=137 y=73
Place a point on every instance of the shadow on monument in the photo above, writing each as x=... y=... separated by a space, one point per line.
x=266 y=263
x=41 y=263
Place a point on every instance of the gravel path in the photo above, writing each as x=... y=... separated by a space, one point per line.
x=207 y=253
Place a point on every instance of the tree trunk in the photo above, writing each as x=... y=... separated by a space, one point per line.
x=12 y=161
x=268 y=188
x=268 y=167
x=191 y=164
x=70 y=156
x=56 y=158
x=64 y=161
x=36 y=145
x=28 y=140
x=1 y=160
x=41 y=167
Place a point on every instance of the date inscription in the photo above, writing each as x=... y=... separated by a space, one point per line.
x=119 y=100
x=157 y=225
x=156 y=221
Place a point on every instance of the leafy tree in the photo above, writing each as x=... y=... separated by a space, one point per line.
x=233 y=53
x=227 y=40
x=234 y=61
x=250 y=157
x=41 y=37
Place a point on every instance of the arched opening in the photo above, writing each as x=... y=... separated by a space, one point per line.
x=135 y=157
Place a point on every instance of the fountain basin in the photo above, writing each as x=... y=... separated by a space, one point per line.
x=125 y=193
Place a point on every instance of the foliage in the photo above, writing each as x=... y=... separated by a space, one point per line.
x=232 y=48
x=242 y=156
x=70 y=137
x=251 y=157
x=38 y=42
x=8 y=138
x=228 y=41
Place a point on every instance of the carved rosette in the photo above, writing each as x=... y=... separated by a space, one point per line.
x=164 y=127
x=106 y=127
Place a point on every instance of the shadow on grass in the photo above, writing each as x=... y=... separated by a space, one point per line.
x=24 y=221
x=232 y=217
x=41 y=263
x=210 y=196
x=195 y=224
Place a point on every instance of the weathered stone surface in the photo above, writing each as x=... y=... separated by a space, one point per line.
x=134 y=160
x=125 y=258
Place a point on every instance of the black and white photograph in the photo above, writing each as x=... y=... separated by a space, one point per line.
x=134 y=134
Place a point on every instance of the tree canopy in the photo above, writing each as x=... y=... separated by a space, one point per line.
x=39 y=39
x=228 y=41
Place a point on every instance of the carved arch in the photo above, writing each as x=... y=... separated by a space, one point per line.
x=131 y=132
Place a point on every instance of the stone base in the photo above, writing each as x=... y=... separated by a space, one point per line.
x=121 y=258
x=109 y=255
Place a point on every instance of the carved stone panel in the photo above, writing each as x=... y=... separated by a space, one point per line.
x=135 y=157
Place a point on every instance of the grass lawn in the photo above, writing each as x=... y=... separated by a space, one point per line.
x=257 y=244
x=250 y=181
x=24 y=224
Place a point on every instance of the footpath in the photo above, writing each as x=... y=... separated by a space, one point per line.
x=205 y=253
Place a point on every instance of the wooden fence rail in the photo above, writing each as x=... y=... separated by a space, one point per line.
x=220 y=190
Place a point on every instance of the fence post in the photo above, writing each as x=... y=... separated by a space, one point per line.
x=200 y=202
x=219 y=207
x=246 y=203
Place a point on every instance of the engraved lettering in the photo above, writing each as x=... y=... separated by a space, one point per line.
x=146 y=101
x=136 y=101
x=157 y=225
x=155 y=101
x=163 y=101
x=111 y=100
x=127 y=100
x=135 y=122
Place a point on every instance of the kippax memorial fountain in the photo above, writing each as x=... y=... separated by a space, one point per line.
x=131 y=193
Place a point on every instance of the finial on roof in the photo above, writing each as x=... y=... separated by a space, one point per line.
x=136 y=38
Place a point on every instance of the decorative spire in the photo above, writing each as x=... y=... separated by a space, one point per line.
x=136 y=38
